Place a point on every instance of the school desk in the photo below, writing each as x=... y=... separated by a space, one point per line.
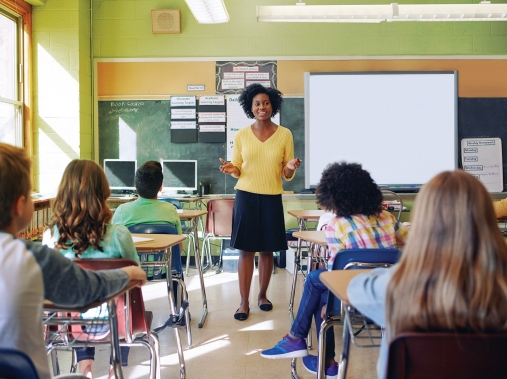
x=165 y=242
x=57 y=316
x=194 y=216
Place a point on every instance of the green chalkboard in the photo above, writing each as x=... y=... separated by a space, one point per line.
x=141 y=129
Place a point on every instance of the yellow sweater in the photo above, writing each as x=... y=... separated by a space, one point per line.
x=261 y=164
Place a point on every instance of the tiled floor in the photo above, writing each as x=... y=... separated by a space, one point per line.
x=225 y=348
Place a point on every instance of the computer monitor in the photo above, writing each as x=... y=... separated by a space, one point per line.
x=120 y=173
x=179 y=175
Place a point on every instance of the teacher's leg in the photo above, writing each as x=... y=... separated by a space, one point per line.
x=245 y=273
x=266 y=261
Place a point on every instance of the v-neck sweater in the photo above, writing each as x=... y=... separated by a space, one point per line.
x=261 y=164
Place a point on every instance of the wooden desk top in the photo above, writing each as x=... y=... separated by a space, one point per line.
x=189 y=214
x=338 y=280
x=160 y=241
x=48 y=306
x=317 y=237
x=308 y=214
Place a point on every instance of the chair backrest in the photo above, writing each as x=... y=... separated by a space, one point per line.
x=161 y=229
x=447 y=356
x=135 y=307
x=172 y=201
x=15 y=364
x=350 y=259
x=219 y=217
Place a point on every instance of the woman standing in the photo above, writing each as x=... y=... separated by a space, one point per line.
x=262 y=154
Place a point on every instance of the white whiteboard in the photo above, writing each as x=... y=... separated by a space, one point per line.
x=402 y=127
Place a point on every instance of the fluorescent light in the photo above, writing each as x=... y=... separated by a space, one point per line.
x=208 y=11
x=386 y=12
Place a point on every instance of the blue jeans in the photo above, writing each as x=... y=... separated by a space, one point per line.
x=314 y=297
x=83 y=353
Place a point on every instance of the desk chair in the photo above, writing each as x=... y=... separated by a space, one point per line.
x=179 y=287
x=186 y=229
x=389 y=195
x=428 y=355
x=349 y=259
x=15 y=364
x=218 y=224
x=134 y=323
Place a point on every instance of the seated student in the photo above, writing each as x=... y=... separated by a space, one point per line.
x=360 y=222
x=147 y=209
x=80 y=228
x=500 y=208
x=30 y=272
x=452 y=274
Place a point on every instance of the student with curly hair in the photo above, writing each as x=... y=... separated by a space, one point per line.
x=360 y=222
x=452 y=276
x=263 y=153
x=80 y=228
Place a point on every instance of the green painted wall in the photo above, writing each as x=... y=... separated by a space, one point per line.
x=123 y=29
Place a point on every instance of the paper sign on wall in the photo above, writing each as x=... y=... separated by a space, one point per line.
x=482 y=157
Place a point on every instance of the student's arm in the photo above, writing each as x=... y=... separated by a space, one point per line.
x=500 y=208
x=125 y=243
x=175 y=219
x=401 y=232
x=66 y=284
x=367 y=293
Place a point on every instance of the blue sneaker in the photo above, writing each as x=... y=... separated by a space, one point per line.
x=287 y=348
x=311 y=361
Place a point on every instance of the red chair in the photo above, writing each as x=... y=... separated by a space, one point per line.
x=134 y=323
x=447 y=356
x=218 y=223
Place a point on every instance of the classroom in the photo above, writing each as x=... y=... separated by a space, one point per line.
x=73 y=68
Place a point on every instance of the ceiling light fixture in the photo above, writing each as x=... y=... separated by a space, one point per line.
x=208 y=11
x=483 y=11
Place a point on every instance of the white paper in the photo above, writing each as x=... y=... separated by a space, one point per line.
x=212 y=128
x=182 y=101
x=212 y=100
x=141 y=239
x=211 y=117
x=236 y=120
x=482 y=157
x=233 y=84
x=178 y=114
x=183 y=125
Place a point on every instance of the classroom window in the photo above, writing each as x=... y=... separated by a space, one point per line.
x=11 y=105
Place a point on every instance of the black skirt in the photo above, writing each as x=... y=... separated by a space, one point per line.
x=258 y=223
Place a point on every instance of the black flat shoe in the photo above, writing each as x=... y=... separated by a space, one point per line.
x=266 y=307
x=241 y=316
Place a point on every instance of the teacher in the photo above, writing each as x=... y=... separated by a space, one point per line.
x=261 y=155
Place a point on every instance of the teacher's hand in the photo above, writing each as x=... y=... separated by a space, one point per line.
x=293 y=163
x=228 y=168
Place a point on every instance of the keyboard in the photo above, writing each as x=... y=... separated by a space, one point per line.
x=121 y=195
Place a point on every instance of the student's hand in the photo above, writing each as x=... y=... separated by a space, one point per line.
x=228 y=168
x=293 y=164
x=135 y=273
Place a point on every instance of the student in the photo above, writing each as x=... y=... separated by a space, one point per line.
x=262 y=154
x=452 y=275
x=350 y=193
x=147 y=209
x=500 y=208
x=80 y=228
x=30 y=272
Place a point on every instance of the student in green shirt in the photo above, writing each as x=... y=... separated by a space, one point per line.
x=147 y=209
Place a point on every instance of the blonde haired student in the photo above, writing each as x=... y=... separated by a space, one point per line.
x=30 y=272
x=452 y=275
x=80 y=228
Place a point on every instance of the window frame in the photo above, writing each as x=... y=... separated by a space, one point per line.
x=21 y=12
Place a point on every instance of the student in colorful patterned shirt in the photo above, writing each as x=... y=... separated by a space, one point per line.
x=360 y=222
